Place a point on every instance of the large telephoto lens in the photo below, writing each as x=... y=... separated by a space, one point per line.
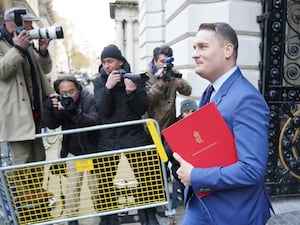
x=54 y=32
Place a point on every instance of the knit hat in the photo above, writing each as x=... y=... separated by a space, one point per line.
x=9 y=15
x=188 y=104
x=112 y=51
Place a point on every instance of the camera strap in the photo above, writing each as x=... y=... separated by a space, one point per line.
x=35 y=90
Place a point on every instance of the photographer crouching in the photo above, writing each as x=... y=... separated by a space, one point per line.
x=72 y=107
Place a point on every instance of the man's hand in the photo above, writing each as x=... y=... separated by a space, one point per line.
x=43 y=45
x=177 y=82
x=22 y=40
x=55 y=101
x=130 y=86
x=184 y=171
x=113 y=78
x=159 y=73
x=52 y=102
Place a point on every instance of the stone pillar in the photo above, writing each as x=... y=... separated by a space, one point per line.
x=120 y=35
x=130 y=42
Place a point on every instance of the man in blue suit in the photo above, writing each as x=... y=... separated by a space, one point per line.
x=238 y=193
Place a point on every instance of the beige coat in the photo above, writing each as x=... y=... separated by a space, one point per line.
x=162 y=100
x=16 y=118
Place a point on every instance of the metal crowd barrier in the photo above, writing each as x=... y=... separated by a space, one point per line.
x=91 y=185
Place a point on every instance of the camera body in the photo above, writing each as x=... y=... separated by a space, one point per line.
x=18 y=19
x=134 y=77
x=168 y=72
x=53 y=32
x=66 y=101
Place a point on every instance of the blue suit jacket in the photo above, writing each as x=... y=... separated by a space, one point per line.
x=239 y=196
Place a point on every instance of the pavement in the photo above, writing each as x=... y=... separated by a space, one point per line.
x=287 y=209
x=287 y=212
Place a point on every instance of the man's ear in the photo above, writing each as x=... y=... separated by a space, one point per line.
x=228 y=50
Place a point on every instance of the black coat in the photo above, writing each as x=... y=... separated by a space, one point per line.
x=116 y=106
x=84 y=115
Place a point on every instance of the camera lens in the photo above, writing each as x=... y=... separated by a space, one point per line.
x=54 y=32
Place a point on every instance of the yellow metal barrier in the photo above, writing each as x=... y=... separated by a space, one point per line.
x=90 y=185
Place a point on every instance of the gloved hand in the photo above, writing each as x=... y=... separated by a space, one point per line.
x=48 y=104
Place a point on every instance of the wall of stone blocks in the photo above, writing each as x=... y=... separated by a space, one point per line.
x=175 y=22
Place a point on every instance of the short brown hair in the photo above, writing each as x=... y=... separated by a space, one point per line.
x=224 y=33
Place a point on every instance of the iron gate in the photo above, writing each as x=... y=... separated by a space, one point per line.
x=280 y=85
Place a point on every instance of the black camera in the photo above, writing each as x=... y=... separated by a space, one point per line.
x=135 y=77
x=168 y=72
x=66 y=101
x=18 y=19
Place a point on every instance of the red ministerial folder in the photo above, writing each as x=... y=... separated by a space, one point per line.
x=203 y=139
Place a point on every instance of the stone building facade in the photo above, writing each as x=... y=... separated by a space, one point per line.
x=125 y=13
x=175 y=22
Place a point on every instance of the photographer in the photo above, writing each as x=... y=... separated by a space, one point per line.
x=162 y=87
x=71 y=108
x=118 y=100
x=23 y=87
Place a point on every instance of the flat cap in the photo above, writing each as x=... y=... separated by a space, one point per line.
x=9 y=15
x=29 y=17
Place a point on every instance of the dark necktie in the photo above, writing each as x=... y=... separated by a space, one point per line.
x=206 y=95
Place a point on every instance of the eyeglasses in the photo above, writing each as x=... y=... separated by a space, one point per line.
x=69 y=92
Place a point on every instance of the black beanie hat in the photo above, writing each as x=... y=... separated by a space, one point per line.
x=112 y=51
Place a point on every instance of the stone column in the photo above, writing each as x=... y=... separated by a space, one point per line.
x=120 y=35
x=130 y=42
